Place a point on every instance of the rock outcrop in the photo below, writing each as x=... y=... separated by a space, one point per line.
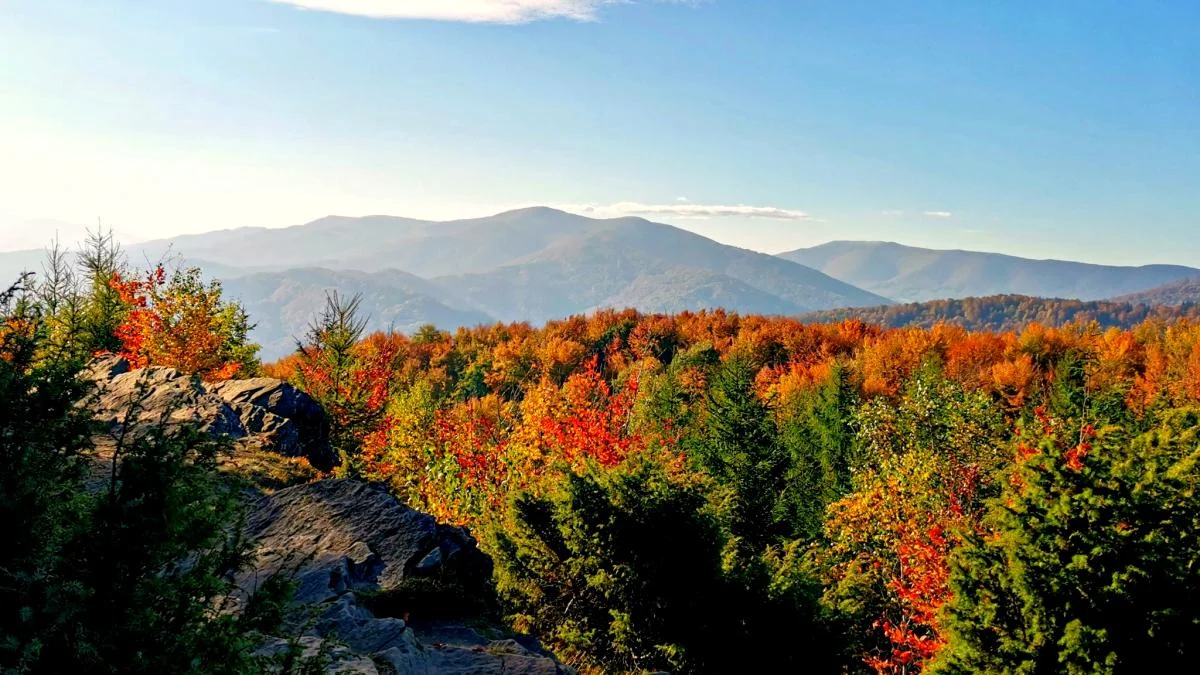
x=364 y=564
x=265 y=412
x=381 y=589
x=288 y=419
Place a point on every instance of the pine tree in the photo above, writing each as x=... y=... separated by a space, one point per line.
x=100 y=261
x=819 y=435
x=739 y=446
x=1090 y=560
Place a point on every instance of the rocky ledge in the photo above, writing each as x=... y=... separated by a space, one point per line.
x=384 y=583
x=382 y=589
x=264 y=412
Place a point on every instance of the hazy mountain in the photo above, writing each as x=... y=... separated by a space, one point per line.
x=13 y=263
x=1006 y=313
x=527 y=265
x=1184 y=291
x=374 y=243
x=616 y=262
x=905 y=273
x=282 y=304
x=536 y=264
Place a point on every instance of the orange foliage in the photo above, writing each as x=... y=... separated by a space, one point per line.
x=594 y=422
x=179 y=324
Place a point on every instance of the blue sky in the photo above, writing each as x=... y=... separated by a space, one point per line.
x=1063 y=129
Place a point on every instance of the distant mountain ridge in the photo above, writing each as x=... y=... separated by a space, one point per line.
x=910 y=274
x=538 y=264
x=526 y=265
x=282 y=304
x=612 y=263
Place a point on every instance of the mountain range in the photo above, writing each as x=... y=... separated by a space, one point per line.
x=909 y=274
x=527 y=265
x=539 y=264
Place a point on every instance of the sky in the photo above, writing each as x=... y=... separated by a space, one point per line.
x=1066 y=129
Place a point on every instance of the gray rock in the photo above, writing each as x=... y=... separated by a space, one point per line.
x=346 y=538
x=339 y=531
x=105 y=368
x=137 y=400
x=343 y=661
x=291 y=421
x=271 y=414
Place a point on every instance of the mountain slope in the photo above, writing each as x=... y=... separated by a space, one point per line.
x=375 y=243
x=526 y=265
x=612 y=262
x=539 y=263
x=282 y=304
x=1006 y=313
x=906 y=273
x=1184 y=291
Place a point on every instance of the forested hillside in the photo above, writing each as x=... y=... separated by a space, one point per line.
x=699 y=492
x=690 y=492
x=1009 y=313
x=1182 y=292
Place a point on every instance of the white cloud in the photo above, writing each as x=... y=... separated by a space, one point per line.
x=689 y=210
x=472 y=11
x=938 y=214
x=891 y=212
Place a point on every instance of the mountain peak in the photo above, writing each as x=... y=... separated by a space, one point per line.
x=539 y=211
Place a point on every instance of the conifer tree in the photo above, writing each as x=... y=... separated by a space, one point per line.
x=1090 y=560
x=739 y=446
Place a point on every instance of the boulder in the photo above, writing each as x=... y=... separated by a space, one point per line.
x=289 y=420
x=267 y=413
x=351 y=546
x=104 y=368
x=140 y=399
x=345 y=535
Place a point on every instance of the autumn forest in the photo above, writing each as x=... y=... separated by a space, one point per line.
x=707 y=492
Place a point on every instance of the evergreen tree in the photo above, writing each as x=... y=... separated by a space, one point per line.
x=327 y=371
x=622 y=572
x=739 y=446
x=117 y=559
x=819 y=435
x=1091 y=561
x=100 y=262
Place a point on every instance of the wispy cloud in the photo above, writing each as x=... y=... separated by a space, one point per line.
x=472 y=11
x=891 y=212
x=690 y=210
x=938 y=214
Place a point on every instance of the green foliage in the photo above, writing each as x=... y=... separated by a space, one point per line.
x=102 y=310
x=1091 y=566
x=739 y=447
x=327 y=372
x=818 y=431
x=42 y=438
x=622 y=571
x=117 y=563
